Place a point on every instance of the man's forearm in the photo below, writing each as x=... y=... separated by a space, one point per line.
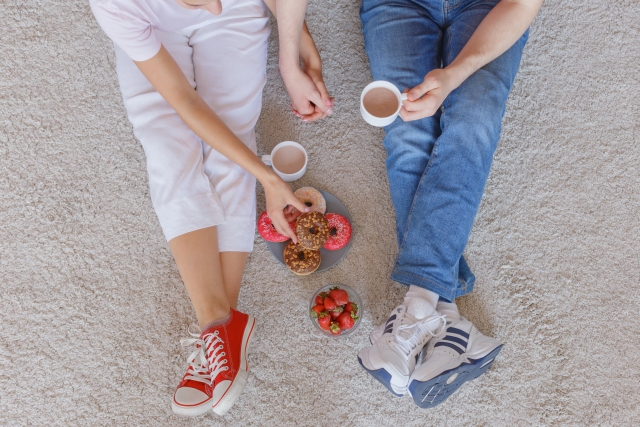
x=499 y=30
x=307 y=50
x=290 y=15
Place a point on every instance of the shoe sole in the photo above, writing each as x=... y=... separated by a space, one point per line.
x=191 y=411
x=430 y=393
x=382 y=376
x=235 y=390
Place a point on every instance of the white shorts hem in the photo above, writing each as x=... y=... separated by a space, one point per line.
x=188 y=214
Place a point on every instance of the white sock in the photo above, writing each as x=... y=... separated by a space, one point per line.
x=416 y=291
x=448 y=309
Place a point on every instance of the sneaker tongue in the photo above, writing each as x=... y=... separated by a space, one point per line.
x=420 y=308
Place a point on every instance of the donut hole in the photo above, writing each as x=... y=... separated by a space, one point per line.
x=333 y=231
x=309 y=204
x=301 y=256
x=312 y=230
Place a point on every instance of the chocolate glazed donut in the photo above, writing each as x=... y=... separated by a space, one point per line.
x=300 y=260
x=312 y=230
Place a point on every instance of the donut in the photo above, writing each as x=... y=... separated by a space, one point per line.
x=312 y=229
x=268 y=231
x=339 y=232
x=312 y=198
x=300 y=260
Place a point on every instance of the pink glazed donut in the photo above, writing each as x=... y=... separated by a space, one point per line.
x=268 y=231
x=312 y=198
x=339 y=232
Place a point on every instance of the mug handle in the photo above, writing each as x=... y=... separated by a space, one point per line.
x=404 y=97
x=266 y=159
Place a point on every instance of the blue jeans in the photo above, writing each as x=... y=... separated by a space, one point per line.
x=437 y=166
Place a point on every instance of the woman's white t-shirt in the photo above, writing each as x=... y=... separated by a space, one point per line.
x=131 y=24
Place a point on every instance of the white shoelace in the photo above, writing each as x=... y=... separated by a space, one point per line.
x=206 y=360
x=420 y=332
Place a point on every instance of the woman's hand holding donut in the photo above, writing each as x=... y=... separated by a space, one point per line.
x=280 y=200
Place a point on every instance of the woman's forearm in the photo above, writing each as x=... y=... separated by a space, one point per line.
x=499 y=30
x=166 y=76
x=205 y=123
x=308 y=51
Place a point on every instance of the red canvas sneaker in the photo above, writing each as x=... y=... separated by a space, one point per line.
x=218 y=368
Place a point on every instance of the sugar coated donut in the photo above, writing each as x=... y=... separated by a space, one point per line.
x=300 y=260
x=268 y=231
x=312 y=229
x=339 y=232
x=312 y=198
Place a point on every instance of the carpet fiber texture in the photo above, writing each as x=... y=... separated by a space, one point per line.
x=92 y=307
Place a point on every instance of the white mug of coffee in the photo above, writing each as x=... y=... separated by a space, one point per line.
x=380 y=103
x=288 y=159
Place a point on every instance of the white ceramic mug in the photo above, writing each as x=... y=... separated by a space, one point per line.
x=268 y=159
x=381 y=121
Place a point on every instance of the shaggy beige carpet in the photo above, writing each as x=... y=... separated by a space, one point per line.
x=92 y=307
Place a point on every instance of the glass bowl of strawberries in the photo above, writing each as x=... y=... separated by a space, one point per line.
x=336 y=310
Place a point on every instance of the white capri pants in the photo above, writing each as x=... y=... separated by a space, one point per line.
x=193 y=186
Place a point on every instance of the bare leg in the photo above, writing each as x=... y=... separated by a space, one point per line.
x=233 y=264
x=198 y=259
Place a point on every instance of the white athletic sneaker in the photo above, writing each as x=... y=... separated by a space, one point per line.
x=376 y=333
x=392 y=357
x=460 y=354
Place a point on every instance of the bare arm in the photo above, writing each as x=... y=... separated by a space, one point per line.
x=309 y=97
x=497 y=32
x=167 y=78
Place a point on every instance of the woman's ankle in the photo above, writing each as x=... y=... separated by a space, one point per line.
x=213 y=315
x=214 y=323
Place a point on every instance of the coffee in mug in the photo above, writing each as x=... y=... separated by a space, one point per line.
x=380 y=103
x=288 y=159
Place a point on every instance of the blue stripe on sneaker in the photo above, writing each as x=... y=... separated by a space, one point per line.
x=458 y=331
x=460 y=341
x=453 y=346
x=388 y=330
x=392 y=318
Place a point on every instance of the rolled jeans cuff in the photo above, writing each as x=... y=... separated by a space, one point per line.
x=446 y=292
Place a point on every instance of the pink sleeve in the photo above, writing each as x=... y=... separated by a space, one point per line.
x=126 y=26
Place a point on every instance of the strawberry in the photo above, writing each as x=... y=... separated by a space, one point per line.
x=346 y=320
x=320 y=298
x=334 y=328
x=316 y=310
x=329 y=304
x=340 y=296
x=323 y=321
x=351 y=307
x=336 y=312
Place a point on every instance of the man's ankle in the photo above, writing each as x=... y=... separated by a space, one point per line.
x=418 y=292
x=448 y=309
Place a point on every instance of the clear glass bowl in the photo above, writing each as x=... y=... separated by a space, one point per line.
x=353 y=297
